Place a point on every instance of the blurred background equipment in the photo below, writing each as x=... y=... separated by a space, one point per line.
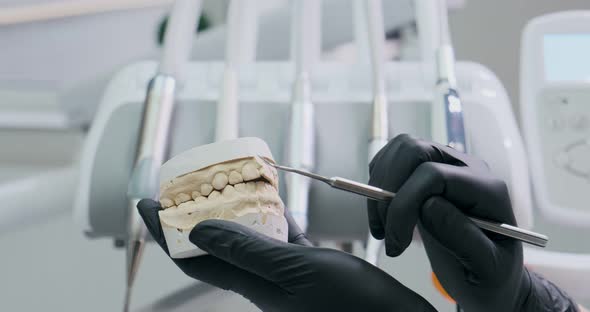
x=73 y=77
x=555 y=90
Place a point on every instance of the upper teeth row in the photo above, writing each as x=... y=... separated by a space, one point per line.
x=229 y=190
x=219 y=182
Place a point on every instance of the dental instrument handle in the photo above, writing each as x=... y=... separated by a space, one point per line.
x=361 y=189
x=498 y=228
x=526 y=236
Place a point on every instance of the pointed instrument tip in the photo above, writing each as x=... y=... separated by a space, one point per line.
x=127 y=300
x=135 y=253
x=267 y=161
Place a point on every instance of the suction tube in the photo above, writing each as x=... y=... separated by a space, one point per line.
x=447 y=109
x=373 y=17
x=240 y=47
x=305 y=32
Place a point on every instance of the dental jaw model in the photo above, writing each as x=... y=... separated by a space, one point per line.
x=226 y=180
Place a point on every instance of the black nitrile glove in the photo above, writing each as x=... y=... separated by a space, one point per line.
x=437 y=187
x=278 y=276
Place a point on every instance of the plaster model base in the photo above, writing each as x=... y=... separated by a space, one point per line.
x=226 y=180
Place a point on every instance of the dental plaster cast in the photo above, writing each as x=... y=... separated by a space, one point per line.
x=225 y=180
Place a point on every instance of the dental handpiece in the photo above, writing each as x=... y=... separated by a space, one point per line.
x=373 y=17
x=383 y=195
x=301 y=147
x=144 y=180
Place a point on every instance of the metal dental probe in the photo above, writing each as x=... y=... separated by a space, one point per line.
x=383 y=195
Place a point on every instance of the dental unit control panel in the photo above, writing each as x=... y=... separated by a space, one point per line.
x=555 y=101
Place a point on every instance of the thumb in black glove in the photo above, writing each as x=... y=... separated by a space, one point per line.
x=278 y=276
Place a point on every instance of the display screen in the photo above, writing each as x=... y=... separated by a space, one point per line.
x=567 y=57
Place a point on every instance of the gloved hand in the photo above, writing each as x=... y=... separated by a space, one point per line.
x=278 y=276
x=436 y=188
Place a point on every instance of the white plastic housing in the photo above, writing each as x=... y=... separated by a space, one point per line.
x=342 y=99
x=556 y=116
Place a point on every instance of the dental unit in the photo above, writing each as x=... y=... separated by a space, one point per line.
x=155 y=127
x=373 y=16
x=327 y=136
x=301 y=150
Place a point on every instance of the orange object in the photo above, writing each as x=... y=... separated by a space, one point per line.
x=440 y=288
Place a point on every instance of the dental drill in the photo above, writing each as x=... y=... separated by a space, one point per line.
x=373 y=17
x=240 y=47
x=155 y=127
x=447 y=109
x=301 y=150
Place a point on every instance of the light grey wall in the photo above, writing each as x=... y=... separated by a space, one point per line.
x=488 y=32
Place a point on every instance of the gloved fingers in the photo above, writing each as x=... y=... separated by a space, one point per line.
x=376 y=225
x=459 y=235
x=398 y=159
x=148 y=210
x=474 y=194
x=390 y=168
x=296 y=235
x=395 y=162
x=247 y=249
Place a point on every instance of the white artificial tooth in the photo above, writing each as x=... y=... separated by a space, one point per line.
x=181 y=198
x=228 y=191
x=219 y=181
x=251 y=187
x=250 y=172
x=240 y=187
x=186 y=205
x=195 y=195
x=235 y=177
x=206 y=189
x=166 y=202
x=200 y=199
x=214 y=194
x=260 y=186
x=265 y=173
